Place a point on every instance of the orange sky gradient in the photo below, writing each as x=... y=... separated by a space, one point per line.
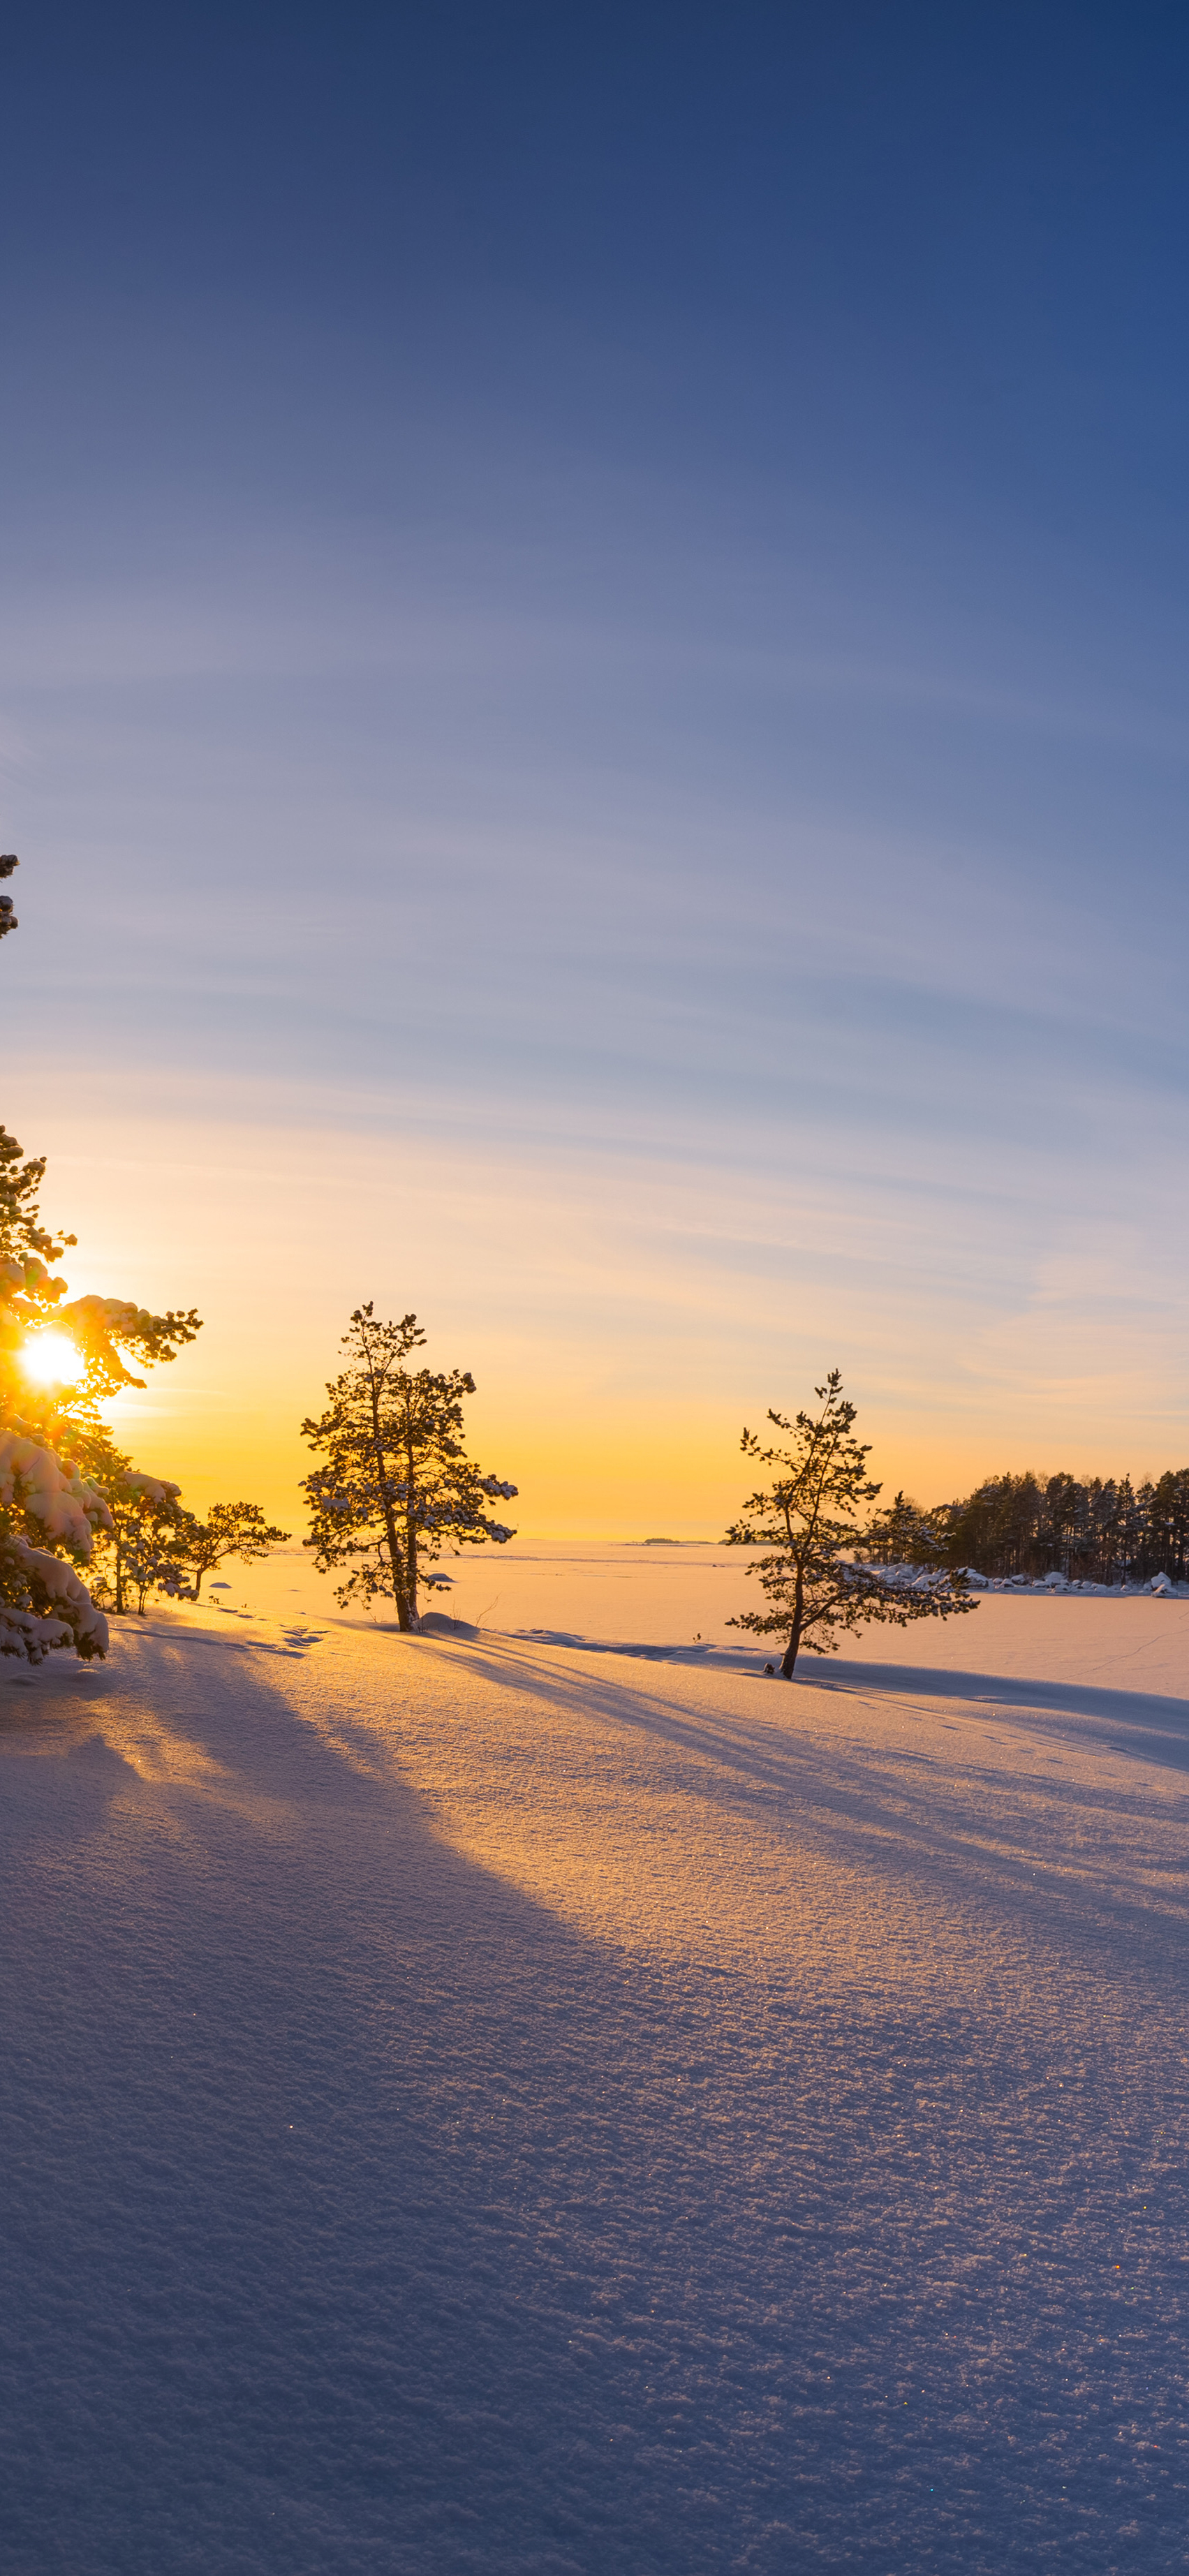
x=623 y=1307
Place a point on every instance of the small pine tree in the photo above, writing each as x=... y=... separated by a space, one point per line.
x=397 y=1490
x=152 y=1544
x=905 y=1535
x=815 y=1576
x=144 y=1546
x=237 y=1530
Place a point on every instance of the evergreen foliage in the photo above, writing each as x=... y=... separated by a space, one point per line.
x=70 y=1502
x=107 y=1331
x=61 y=1482
x=155 y=1545
x=231 y=1530
x=397 y=1490
x=57 y=1465
x=141 y=1548
x=8 y=919
x=55 y=1452
x=1091 y=1529
x=905 y=1535
x=819 y=1574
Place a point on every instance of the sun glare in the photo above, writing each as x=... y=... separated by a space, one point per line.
x=51 y=1359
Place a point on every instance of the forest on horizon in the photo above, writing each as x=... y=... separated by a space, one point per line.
x=1091 y=1529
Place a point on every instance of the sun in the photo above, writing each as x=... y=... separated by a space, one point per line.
x=51 y=1359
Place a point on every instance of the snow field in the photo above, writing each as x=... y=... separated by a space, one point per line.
x=493 y=2106
x=602 y=1589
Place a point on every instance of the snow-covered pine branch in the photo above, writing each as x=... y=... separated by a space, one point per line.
x=57 y=1465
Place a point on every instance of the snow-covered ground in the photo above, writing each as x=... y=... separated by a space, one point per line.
x=493 y=2105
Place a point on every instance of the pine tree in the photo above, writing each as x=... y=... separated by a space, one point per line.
x=905 y=1535
x=237 y=1530
x=55 y=1454
x=61 y=1481
x=1170 y=1523
x=143 y=1548
x=8 y=919
x=397 y=1490
x=815 y=1576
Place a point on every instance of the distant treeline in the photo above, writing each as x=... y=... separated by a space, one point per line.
x=1095 y=1529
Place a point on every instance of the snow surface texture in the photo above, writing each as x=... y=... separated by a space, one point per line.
x=481 y=2105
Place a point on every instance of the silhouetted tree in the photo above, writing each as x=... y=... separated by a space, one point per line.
x=1169 y=1523
x=54 y=1448
x=237 y=1530
x=1091 y=1529
x=905 y=1535
x=817 y=1576
x=8 y=919
x=397 y=1490
x=142 y=1548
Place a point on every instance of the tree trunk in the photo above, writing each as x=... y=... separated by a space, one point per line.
x=793 y=1646
x=410 y=1530
x=403 y=1621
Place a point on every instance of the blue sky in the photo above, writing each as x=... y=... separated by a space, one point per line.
x=602 y=592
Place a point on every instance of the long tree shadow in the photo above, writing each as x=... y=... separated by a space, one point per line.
x=362 y=2214
x=1146 y=1724
x=1151 y=1726
x=886 y=1807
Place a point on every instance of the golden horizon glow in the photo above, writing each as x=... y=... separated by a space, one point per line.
x=615 y=1369
x=52 y=1359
